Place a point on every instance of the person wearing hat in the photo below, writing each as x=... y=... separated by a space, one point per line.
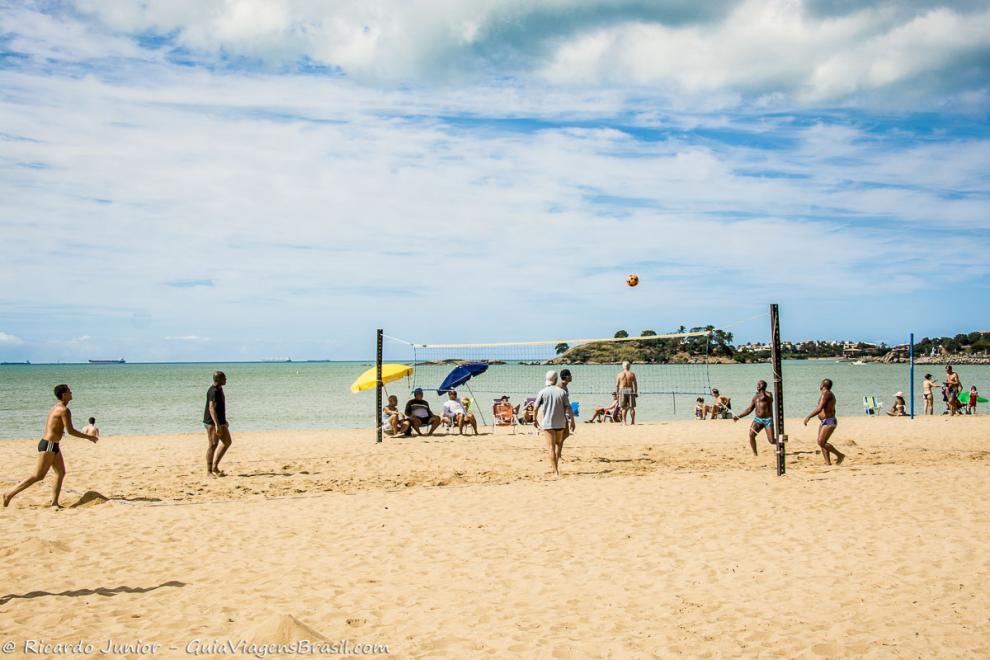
x=897 y=410
x=419 y=413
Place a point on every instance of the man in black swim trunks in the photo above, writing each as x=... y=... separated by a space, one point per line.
x=826 y=412
x=419 y=414
x=762 y=403
x=59 y=422
x=215 y=421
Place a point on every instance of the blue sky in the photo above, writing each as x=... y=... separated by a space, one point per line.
x=239 y=179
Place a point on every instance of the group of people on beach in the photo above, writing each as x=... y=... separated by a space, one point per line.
x=951 y=390
x=418 y=417
x=762 y=407
x=550 y=412
x=58 y=423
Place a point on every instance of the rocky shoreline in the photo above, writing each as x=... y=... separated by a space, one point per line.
x=938 y=359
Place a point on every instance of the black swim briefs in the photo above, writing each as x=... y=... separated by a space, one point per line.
x=48 y=447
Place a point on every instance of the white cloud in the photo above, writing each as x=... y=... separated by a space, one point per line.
x=316 y=206
x=758 y=48
x=10 y=340
x=770 y=47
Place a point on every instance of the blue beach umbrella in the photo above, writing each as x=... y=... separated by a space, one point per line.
x=460 y=375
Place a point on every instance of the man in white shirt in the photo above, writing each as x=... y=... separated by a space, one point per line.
x=454 y=411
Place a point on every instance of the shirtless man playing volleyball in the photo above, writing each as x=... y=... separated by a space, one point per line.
x=59 y=423
x=826 y=412
x=762 y=403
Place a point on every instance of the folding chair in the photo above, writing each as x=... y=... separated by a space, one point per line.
x=871 y=406
x=502 y=415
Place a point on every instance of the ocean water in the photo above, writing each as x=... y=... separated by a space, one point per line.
x=139 y=399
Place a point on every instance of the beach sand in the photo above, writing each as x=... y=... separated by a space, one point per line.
x=657 y=540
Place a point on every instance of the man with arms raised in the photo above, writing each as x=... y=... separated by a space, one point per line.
x=826 y=412
x=59 y=422
x=762 y=403
x=215 y=421
x=627 y=390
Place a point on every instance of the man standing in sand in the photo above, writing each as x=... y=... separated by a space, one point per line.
x=59 y=422
x=554 y=402
x=826 y=412
x=563 y=382
x=627 y=390
x=952 y=382
x=215 y=421
x=762 y=403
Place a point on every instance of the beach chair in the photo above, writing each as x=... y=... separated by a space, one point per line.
x=502 y=416
x=871 y=406
x=447 y=424
x=726 y=409
x=613 y=414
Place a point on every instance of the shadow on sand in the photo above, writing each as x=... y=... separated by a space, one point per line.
x=99 y=591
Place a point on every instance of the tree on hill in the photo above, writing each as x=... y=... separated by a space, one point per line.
x=561 y=348
x=621 y=334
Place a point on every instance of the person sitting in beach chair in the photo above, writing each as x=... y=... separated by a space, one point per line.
x=503 y=414
x=528 y=407
x=454 y=412
x=612 y=413
x=721 y=407
x=419 y=414
x=392 y=418
x=897 y=409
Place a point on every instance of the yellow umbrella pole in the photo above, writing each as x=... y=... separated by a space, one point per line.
x=379 y=386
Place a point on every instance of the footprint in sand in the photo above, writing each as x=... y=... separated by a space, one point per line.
x=34 y=547
x=827 y=649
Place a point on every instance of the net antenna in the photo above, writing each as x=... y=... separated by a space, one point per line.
x=674 y=364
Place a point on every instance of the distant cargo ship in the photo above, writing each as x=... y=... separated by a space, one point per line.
x=120 y=361
x=13 y=363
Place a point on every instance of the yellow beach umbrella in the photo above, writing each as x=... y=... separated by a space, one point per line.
x=390 y=372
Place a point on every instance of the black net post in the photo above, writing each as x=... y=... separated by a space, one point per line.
x=778 y=389
x=378 y=386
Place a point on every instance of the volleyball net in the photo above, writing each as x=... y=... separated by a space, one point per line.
x=671 y=364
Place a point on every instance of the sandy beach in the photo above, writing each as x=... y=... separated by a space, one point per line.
x=657 y=540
